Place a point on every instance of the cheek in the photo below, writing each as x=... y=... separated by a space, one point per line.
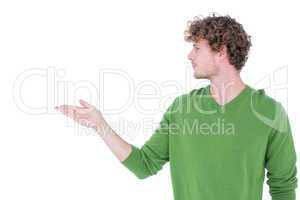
x=203 y=59
x=199 y=58
x=209 y=59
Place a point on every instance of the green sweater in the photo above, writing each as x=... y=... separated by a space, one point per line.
x=221 y=152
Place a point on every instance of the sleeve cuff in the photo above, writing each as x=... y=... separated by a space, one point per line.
x=134 y=163
x=130 y=161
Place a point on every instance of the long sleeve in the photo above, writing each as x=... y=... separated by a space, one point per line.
x=150 y=158
x=281 y=159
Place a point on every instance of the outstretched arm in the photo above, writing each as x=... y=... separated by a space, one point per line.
x=144 y=161
x=89 y=116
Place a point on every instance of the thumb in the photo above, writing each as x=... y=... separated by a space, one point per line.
x=85 y=104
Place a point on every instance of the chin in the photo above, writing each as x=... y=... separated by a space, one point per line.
x=200 y=76
x=197 y=76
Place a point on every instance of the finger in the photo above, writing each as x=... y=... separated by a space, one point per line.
x=73 y=111
x=81 y=110
x=61 y=108
x=68 y=111
x=85 y=104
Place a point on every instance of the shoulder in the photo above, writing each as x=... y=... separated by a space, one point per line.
x=201 y=91
x=260 y=100
x=184 y=100
x=188 y=95
x=268 y=109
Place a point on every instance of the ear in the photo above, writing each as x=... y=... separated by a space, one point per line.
x=223 y=52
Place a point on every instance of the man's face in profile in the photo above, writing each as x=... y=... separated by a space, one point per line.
x=202 y=58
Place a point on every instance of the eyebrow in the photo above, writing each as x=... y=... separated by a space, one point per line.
x=194 y=45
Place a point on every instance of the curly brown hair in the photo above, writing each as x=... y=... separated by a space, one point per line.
x=219 y=31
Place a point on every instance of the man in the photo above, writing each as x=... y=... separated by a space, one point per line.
x=219 y=139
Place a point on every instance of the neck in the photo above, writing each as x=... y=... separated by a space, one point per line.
x=225 y=88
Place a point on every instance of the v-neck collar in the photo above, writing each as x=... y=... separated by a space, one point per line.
x=232 y=102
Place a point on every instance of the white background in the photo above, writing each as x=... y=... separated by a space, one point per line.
x=41 y=153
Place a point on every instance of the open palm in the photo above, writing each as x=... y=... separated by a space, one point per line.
x=87 y=115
